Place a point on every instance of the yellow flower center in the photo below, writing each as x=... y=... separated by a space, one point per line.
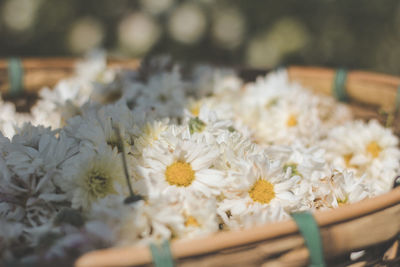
x=342 y=202
x=191 y=221
x=179 y=174
x=262 y=191
x=99 y=185
x=292 y=121
x=374 y=149
x=347 y=158
x=195 y=110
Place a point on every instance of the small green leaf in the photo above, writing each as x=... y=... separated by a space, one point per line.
x=196 y=125
x=293 y=167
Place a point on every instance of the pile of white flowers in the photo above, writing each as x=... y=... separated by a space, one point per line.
x=205 y=152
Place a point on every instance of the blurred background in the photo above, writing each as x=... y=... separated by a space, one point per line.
x=261 y=34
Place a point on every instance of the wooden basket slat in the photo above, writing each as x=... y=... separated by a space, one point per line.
x=340 y=224
x=48 y=71
x=365 y=87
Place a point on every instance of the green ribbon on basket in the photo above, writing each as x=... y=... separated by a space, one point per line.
x=309 y=229
x=397 y=103
x=339 y=85
x=161 y=253
x=15 y=76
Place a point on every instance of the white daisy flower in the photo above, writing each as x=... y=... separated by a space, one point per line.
x=163 y=94
x=148 y=221
x=200 y=217
x=92 y=175
x=150 y=133
x=268 y=90
x=264 y=196
x=346 y=189
x=59 y=104
x=97 y=127
x=208 y=80
x=31 y=166
x=10 y=119
x=308 y=163
x=181 y=166
x=366 y=148
x=292 y=118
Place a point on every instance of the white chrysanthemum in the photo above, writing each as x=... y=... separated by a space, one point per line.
x=10 y=119
x=264 y=195
x=267 y=91
x=181 y=166
x=208 y=80
x=163 y=95
x=219 y=112
x=56 y=106
x=293 y=117
x=98 y=126
x=331 y=112
x=150 y=133
x=346 y=189
x=92 y=175
x=308 y=163
x=234 y=148
x=208 y=125
x=93 y=81
x=366 y=148
x=200 y=217
x=109 y=210
x=104 y=82
x=282 y=112
x=148 y=221
x=30 y=168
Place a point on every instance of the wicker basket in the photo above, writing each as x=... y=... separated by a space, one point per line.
x=372 y=224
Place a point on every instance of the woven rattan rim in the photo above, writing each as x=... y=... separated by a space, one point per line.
x=137 y=255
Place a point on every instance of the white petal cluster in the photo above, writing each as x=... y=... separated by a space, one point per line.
x=116 y=157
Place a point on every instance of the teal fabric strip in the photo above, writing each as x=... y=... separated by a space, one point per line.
x=161 y=254
x=339 y=85
x=308 y=228
x=15 y=76
x=397 y=104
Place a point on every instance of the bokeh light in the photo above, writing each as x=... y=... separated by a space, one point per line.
x=156 y=6
x=267 y=49
x=20 y=15
x=187 y=23
x=85 y=35
x=228 y=28
x=137 y=33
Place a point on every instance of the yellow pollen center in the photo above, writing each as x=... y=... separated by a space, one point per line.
x=195 y=110
x=179 y=174
x=262 y=191
x=374 y=149
x=342 y=202
x=191 y=221
x=347 y=158
x=292 y=121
